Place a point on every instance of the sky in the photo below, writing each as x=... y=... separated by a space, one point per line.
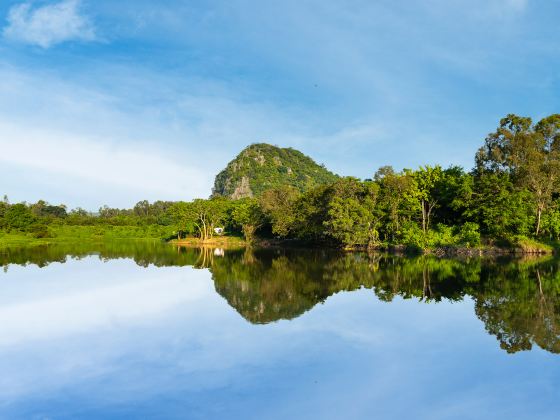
x=105 y=102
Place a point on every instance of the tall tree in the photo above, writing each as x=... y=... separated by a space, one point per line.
x=529 y=153
x=353 y=216
x=395 y=197
x=453 y=192
x=247 y=214
x=207 y=215
x=277 y=205
x=426 y=179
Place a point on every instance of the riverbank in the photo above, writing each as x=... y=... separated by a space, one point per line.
x=518 y=246
x=217 y=242
x=522 y=246
x=72 y=234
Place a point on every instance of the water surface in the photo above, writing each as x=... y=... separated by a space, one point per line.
x=147 y=330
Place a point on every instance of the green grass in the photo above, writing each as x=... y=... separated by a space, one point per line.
x=13 y=240
x=68 y=234
x=111 y=232
x=219 y=241
x=531 y=246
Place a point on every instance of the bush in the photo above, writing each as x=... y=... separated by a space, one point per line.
x=529 y=245
x=41 y=231
x=469 y=234
x=19 y=217
x=441 y=236
x=411 y=235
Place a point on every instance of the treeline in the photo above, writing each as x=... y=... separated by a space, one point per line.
x=44 y=220
x=513 y=193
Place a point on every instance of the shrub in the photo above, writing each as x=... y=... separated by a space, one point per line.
x=441 y=236
x=411 y=235
x=19 y=217
x=469 y=234
x=41 y=231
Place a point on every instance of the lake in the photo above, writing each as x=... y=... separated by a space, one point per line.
x=148 y=330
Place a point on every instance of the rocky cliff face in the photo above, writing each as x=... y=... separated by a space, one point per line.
x=261 y=167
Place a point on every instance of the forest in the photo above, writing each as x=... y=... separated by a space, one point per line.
x=510 y=198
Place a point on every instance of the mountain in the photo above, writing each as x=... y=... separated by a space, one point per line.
x=262 y=166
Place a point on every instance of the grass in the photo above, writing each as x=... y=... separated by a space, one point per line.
x=221 y=241
x=523 y=245
x=13 y=240
x=105 y=233
x=531 y=246
x=69 y=234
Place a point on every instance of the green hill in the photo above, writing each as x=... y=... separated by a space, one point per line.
x=262 y=166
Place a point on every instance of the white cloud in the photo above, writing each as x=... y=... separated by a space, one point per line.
x=145 y=137
x=109 y=165
x=48 y=25
x=79 y=146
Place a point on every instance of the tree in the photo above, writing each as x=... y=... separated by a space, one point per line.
x=247 y=214
x=107 y=212
x=207 y=215
x=350 y=222
x=309 y=213
x=453 y=192
x=43 y=209
x=529 y=154
x=551 y=223
x=498 y=207
x=181 y=218
x=395 y=197
x=3 y=208
x=426 y=179
x=277 y=205
x=543 y=171
x=18 y=216
x=352 y=216
x=142 y=208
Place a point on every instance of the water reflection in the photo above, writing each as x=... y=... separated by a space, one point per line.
x=516 y=299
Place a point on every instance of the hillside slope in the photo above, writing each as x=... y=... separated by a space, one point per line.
x=262 y=166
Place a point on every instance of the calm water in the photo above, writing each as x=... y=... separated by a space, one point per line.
x=151 y=331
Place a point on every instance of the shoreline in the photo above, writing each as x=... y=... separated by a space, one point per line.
x=217 y=242
x=536 y=249
x=235 y=242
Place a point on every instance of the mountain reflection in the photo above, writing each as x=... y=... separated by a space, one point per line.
x=518 y=300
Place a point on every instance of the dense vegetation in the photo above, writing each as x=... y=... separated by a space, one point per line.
x=511 y=197
x=261 y=167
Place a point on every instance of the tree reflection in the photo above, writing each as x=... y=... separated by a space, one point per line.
x=521 y=306
x=517 y=300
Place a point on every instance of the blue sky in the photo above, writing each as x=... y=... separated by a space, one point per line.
x=105 y=102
